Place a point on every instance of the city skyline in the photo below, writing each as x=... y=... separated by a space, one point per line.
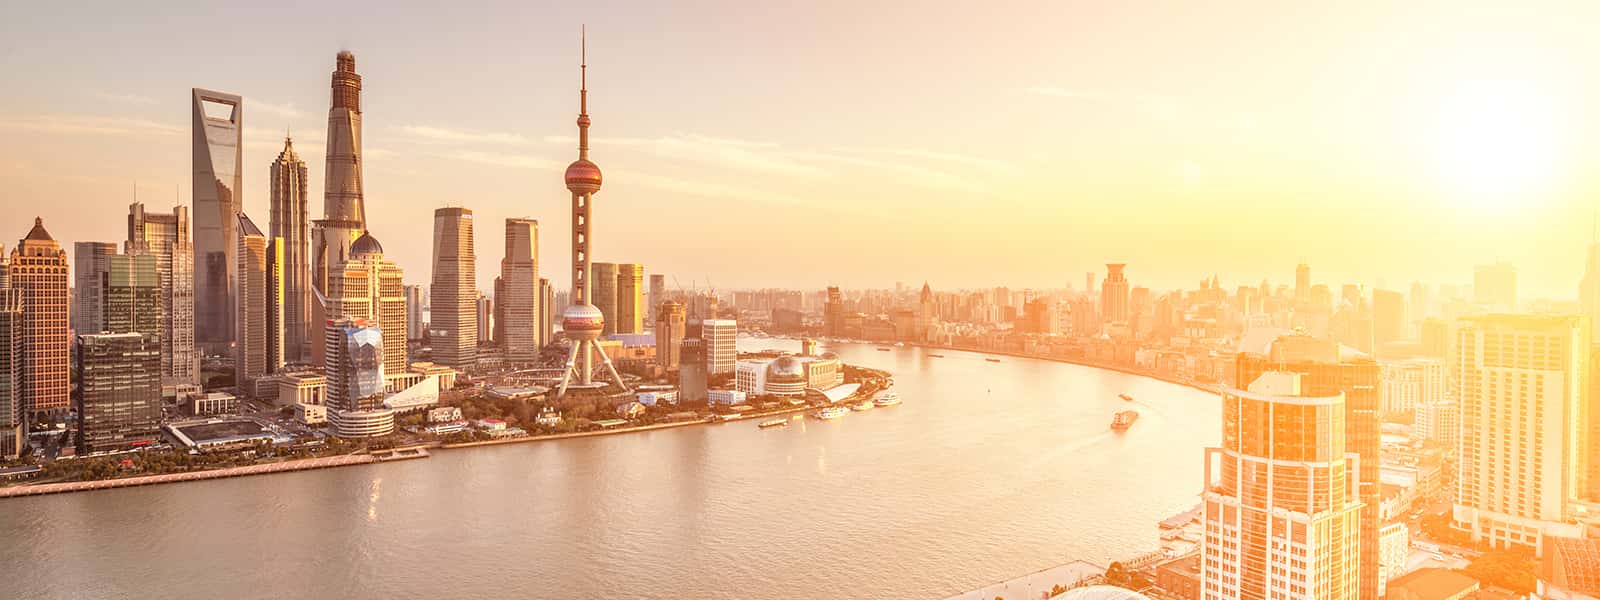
x=1153 y=158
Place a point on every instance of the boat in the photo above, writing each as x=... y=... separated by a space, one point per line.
x=1124 y=419
x=831 y=412
x=881 y=349
x=1125 y=397
x=862 y=405
x=900 y=344
x=886 y=398
x=796 y=402
x=774 y=423
x=936 y=355
x=992 y=359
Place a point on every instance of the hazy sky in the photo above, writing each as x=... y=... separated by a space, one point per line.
x=861 y=143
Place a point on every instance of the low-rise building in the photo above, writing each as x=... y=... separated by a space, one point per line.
x=444 y=414
x=1394 y=548
x=1180 y=577
x=726 y=397
x=1432 y=584
x=213 y=403
x=301 y=387
x=656 y=397
x=311 y=414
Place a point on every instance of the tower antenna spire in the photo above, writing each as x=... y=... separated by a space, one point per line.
x=583 y=92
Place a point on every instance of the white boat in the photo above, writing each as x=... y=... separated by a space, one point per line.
x=861 y=406
x=886 y=398
x=774 y=423
x=831 y=412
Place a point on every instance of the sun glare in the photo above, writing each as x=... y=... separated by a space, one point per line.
x=1495 y=143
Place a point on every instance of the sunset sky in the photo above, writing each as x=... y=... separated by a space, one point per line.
x=863 y=143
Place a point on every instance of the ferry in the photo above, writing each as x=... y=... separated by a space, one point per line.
x=936 y=355
x=774 y=423
x=831 y=412
x=1124 y=419
x=887 y=398
x=882 y=349
x=1125 y=397
x=992 y=359
x=862 y=405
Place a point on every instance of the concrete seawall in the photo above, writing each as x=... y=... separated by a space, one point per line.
x=104 y=484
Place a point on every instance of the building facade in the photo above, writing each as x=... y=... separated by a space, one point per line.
x=1281 y=513
x=453 y=315
x=1410 y=383
x=166 y=237
x=355 y=379
x=344 y=209
x=254 y=356
x=119 y=394
x=370 y=289
x=130 y=296
x=13 y=413
x=217 y=188
x=1522 y=455
x=669 y=334
x=88 y=265
x=604 y=294
x=414 y=323
x=630 y=298
x=720 y=336
x=39 y=269
x=1114 y=295
x=290 y=223
x=517 y=300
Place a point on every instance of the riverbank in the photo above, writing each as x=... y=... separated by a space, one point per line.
x=1210 y=388
x=306 y=464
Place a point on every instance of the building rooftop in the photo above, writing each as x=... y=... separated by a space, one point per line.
x=1431 y=584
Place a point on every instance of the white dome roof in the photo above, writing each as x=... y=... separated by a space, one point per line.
x=1101 y=592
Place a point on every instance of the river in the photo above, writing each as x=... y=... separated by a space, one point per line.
x=986 y=472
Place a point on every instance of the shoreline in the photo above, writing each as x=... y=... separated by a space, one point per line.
x=1210 y=388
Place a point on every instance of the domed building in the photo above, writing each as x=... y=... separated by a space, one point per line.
x=369 y=287
x=1101 y=592
x=788 y=375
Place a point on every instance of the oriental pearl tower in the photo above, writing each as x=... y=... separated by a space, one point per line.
x=582 y=321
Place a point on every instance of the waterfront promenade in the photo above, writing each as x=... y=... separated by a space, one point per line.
x=261 y=469
x=1039 y=584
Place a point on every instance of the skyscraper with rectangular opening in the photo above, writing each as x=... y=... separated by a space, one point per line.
x=217 y=129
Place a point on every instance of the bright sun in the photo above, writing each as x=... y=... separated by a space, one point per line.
x=1496 y=142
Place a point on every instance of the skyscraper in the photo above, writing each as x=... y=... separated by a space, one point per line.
x=1302 y=283
x=218 y=127
x=370 y=289
x=289 y=222
x=253 y=355
x=344 y=211
x=693 y=379
x=119 y=392
x=1114 y=295
x=1280 y=515
x=1329 y=370
x=604 y=294
x=1522 y=380
x=130 y=296
x=669 y=334
x=453 y=313
x=166 y=237
x=658 y=291
x=547 y=307
x=582 y=322
x=353 y=364
x=1495 y=286
x=13 y=416
x=39 y=269
x=484 y=305
x=88 y=263
x=721 y=337
x=414 y=321
x=518 y=301
x=833 y=312
x=630 y=298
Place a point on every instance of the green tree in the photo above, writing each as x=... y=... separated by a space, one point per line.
x=1510 y=569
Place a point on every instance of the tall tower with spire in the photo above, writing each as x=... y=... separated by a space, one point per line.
x=344 y=213
x=583 y=322
x=288 y=223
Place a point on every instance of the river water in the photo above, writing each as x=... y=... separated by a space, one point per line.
x=986 y=472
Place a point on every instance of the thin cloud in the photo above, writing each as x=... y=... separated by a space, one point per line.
x=763 y=157
x=287 y=111
x=987 y=164
x=704 y=188
x=124 y=98
x=87 y=125
x=521 y=161
x=440 y=134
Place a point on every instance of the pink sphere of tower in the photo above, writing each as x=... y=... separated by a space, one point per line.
x=583 y=322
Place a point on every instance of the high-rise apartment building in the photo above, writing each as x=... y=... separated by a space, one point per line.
x=669 y=334
x=720 y=337
x=166 y=237
x=119 y=392
x=453 y=316
x=370 y=289
x=1438 y=422
x=252 y=353
x=1522 y=381
x=630 y=298
x=833 y=312
x=484 y=305
x=517 y=302
x=130 y=296
x=13 y=413
x=693 y=378
x=1281 y=512
x=1114 y=295
x=344 y=209
x=217 y=154
x=39 y=269
x=88 y=263
x=547 y=307
x=1330 y=370
x=290 y=222
x=604 y=293
x=1495 y=286
x=658 y=292
x=1407 y=384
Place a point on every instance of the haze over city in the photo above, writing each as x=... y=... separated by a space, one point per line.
x=1025 y=144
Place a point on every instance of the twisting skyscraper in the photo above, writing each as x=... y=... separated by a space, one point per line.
x=288 y=223
x=583 y=322
x=344 y=215
x=218 y=124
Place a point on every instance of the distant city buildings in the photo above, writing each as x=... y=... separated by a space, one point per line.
x=88 y=266
x=453 y=315
x=1410 y=383
x=1495 y=286
x=604 y=293
x=119 y=395
x=1114 y=295
x=39 y=269
x=217 y=129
